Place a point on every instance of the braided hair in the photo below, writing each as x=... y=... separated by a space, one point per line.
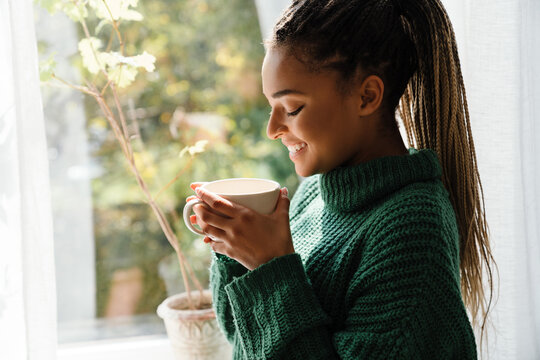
x=410 y=45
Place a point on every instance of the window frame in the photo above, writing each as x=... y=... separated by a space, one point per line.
x=133 y=348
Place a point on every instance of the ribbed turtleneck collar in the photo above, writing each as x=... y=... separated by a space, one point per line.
x=351 y=188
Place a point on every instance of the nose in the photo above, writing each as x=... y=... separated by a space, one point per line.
x=275 y=127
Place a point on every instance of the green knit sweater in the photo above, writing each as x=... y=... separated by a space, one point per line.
x=375 y=274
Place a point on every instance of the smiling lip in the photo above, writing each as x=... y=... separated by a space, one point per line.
x=296 y=149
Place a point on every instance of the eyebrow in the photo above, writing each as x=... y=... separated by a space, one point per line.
x=285 y=92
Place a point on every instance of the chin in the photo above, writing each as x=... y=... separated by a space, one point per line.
x=301 y=172
x=304 y=171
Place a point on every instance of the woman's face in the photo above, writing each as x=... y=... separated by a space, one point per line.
x=321 y=127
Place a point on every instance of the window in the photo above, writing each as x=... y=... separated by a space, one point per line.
x=113 y=263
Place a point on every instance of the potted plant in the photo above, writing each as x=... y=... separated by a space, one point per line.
x=189 y=317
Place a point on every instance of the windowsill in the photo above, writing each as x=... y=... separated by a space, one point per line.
x=115 y=328
x=136 y=348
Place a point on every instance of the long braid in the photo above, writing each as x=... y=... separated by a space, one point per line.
x=440 y=105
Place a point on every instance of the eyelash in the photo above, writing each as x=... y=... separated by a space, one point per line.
x=295 y=112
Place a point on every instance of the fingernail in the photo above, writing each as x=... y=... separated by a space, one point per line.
x=286 y=191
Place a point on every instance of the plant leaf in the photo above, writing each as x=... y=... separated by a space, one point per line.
x=101 y=25
x=123 y=75
x=195 y=149
x=88 y=48
x=76 y=10
x=46 y=68
x=129 y=14
x=145 y=60
x=49 y=5
x=111 y=59
x=115 y=9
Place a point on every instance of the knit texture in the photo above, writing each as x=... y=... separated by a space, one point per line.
x=375 y=274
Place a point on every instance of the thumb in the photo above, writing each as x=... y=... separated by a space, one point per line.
x=283 y=202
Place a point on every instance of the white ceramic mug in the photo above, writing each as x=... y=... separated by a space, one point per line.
x=260 y=195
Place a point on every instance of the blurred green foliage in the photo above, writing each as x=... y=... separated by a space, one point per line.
x=206 y=86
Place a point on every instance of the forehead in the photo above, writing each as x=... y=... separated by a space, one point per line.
x=278 y=67
x=281 y=71
x=278 y=60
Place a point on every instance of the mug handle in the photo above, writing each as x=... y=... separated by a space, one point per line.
x=187 y=213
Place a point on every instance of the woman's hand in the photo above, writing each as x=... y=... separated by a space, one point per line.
x=240 y=233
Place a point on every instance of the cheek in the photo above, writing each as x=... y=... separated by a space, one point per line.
x=313 y=126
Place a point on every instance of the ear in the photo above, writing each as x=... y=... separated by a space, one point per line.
x=370 y=95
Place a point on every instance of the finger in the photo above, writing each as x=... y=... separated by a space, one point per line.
x=283 y=202
x=218 y=247
x=218 y=203
x=211 y=231
x=195 y=185
x=206 y=215
x=192 y=197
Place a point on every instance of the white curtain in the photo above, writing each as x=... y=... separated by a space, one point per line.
x=269 y=12
x=27 y=281
x=499 y=46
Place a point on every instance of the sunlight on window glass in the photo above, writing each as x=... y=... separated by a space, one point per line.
x=114 y=265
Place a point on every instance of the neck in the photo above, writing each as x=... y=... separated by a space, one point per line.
x=391 y=141
x=386 y=144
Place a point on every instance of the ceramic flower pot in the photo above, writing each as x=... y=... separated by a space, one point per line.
x=194 y=334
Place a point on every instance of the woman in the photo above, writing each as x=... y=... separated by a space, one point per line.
x=385 y=243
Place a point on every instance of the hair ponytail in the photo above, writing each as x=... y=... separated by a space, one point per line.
x=435 y=114
x=411 y=45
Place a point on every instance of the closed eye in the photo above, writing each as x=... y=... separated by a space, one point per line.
x=295 y=112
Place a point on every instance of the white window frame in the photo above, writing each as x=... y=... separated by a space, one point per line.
x=136 y=348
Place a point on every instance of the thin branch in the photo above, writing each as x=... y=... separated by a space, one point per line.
x=134 y=122
x=182 y=262
x=75 y=87
x=195 y=281
x=102 y=92
x=122 y=119
x=114 y=124
x=175 y=178
x=115 y=26
x=169 y=234
x=121 y=133
x=94 y=51
x=109 y=44
x=177 y=219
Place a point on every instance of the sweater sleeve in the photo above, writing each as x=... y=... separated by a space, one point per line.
x=277 y=315
x=403 y=304
x=222 y=271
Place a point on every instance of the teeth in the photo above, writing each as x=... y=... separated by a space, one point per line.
x=295 y=148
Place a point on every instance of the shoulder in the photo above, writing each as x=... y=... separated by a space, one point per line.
x=419 y=217
x=421 y=202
